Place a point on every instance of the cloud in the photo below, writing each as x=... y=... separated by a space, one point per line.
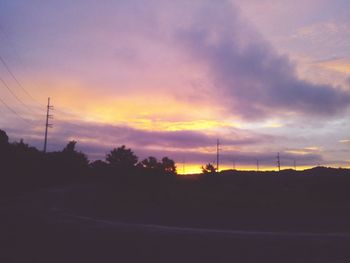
x=251 y=78
x=196 y=147
x=201 y=53
x=193 y=147
x=348 y=82
x=113 y=135
x=200 y=50
x=341 y=65
x=324 y=33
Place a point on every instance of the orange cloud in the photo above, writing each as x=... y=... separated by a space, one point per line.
x=339 y=65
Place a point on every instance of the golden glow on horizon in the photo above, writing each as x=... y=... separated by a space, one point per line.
x=141 y=111
x=187 y=169
x=161 y=114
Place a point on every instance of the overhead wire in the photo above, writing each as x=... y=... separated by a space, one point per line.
x=16 y=79
x=8 y=69
x=13 y=111
x=7 y=38
x=5 y=84
x=14 y=95
x=19 y=84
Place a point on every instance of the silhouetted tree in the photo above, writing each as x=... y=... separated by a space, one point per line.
x=4 y=139
x=78 y=158
x=208 y=168
x=25 y=163
x=4 y=147
x=23 y=150
x=122 y=158
x=168 y=166
x=98 y=164
x=70 y=147
x=150 y=163
x=69 y=160
x=5 y=153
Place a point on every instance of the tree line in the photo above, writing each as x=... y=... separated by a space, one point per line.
x=22 y=164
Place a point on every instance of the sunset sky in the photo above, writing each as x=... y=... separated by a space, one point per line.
x=167 y=78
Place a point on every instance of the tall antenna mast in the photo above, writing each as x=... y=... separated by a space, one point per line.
x=217 y=155
x=278 y=162
x=47 y=125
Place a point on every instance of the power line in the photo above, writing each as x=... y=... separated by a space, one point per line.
x=3 y=31
x=16 y=80
x=14 y=95
x=12 y=45
x=14 y=76
x=13 y=111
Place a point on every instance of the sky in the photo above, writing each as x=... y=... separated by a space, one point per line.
x=167 y=78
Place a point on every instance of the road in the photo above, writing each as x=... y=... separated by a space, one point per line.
x=36 y=233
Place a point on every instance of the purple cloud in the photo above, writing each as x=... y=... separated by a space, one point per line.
x=250 y=77
x=193 y=146
x=117 y=135
x=125 y=38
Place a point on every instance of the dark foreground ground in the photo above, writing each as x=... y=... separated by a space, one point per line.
x=118 y=222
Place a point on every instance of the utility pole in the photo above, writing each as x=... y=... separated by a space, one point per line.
x=295 y=165
x=217 y=155
x=47 y=125
x=183 y=166
x=233 y=165
x=257 y=165
x=278 y=162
